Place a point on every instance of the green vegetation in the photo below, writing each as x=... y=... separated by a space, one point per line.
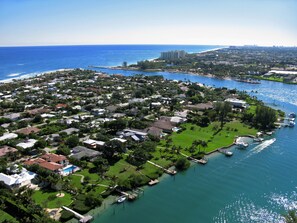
x=50 y=199
x=5 y=217
x=213 y=135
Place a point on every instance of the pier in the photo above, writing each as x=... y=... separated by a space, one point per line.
x=201 y=161
x=82 y=218
x=168 y=171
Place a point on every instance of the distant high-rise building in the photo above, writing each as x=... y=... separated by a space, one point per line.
x=172 y=55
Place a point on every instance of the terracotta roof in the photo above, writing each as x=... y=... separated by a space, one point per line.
x=7 y=149
x=38 y=111
x=50 y=157
x=51 y=166
x=61 y=106
x=34 y=161
x=28 y=130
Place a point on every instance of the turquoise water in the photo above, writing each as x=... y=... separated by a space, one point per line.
x=257 y=184
x=69 y=169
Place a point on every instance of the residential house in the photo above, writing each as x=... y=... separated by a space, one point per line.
x=17 y=180
x=70 y=131
x=28 y=143
x=80 y=152
x=28 y=130
x=93 y=144
x=7 y=136
x=5 y=150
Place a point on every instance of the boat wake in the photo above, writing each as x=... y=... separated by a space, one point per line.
x=263 y=145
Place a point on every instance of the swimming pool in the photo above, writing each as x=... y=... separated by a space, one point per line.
x=69 y=169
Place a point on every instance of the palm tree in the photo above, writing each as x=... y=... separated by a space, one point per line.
x=291 y=217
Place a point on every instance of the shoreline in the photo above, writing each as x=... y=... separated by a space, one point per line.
x=108 y=202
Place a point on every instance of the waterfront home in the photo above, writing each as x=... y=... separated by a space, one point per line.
x=164 y=123
x=80 y=152
x=17 y=180
x=7 y=136
x=154 y=131
x=49 y=161
x=6 y=150
x=201 y=106
x=236 y=103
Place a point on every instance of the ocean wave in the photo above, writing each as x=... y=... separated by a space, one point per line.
x=13 y=74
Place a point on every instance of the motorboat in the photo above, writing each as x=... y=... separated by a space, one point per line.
x=292 y=115
x=242 y=145
x=291 y=124
x=258 y=139
x=121 y=199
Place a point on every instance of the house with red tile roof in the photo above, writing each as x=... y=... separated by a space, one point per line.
x=52 y=162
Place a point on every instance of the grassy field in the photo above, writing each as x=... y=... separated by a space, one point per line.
x=224 y=137
x=50 y=200
x=5 y=216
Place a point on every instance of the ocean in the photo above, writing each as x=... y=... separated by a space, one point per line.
x=16 y=62
x=257 y=184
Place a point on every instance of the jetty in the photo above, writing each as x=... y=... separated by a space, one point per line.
x=168 y=171
x=201 y=161
x=226 y=152
x=153 y=182
x=130 y=196
x=82 y=218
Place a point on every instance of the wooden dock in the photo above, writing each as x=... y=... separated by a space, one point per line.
x=201 y=161
x=168 y=171
x=153 y=182
x=82 y=218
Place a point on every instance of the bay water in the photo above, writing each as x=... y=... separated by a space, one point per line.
x=257 y=184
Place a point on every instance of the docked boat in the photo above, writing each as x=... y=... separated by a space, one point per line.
x=292 y=115
x=258 y=139
x=226 y=152
x=242 y=145
x=291 y=124
x=121 y=199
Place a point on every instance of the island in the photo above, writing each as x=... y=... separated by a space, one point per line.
x=69 y=139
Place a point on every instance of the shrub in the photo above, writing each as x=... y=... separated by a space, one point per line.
x=66 y=216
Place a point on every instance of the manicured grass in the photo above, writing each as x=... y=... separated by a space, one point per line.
x=151 y=171
x=42 y=198
x=224 y=137
x=75 y=181
x=5 y=216
x=122 y=170
x=94 y=177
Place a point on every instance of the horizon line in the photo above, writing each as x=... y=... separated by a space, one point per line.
x=147 y=44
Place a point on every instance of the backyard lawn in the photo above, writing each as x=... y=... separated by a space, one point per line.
x=50 y=200
x=224 y=137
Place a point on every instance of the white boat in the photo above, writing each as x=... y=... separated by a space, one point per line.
x=291 y=124
x=242 y=144
x=258 y=139
x=121 y=199
x=292 y=115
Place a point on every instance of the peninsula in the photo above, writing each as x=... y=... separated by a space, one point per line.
x=246 y=63
x=69 y=139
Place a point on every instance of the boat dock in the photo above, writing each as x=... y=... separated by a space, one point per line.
x=130 y=196
x=201 y=161
x=168 y=171
x=153 y=182
x=82 y=218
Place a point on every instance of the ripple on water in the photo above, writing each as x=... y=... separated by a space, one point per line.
x=245 y=210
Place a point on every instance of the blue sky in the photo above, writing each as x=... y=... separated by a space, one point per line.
x=217 y=22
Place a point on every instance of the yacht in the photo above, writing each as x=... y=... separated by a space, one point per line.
x=121 y=199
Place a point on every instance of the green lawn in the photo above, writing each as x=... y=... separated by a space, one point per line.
x=223 y=138
x=42 y=198
x=5 y=216
x=94 y=177
x=75 y=181
x=121 y=169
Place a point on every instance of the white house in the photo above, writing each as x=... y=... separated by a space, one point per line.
x=17 y=180
x=27 y=144
x=237 y=103
x=7 y=136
